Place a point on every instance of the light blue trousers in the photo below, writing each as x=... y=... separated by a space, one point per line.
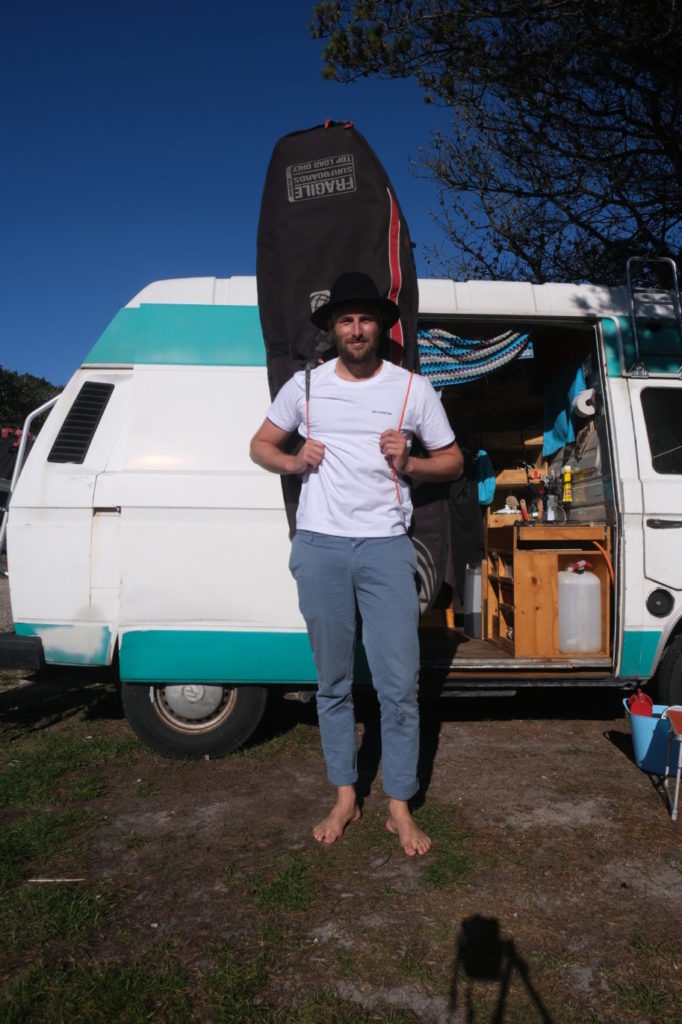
x=332 y=574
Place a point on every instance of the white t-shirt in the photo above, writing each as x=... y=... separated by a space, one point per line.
x=352 y=493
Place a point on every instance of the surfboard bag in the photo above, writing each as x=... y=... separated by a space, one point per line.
x=328 y=207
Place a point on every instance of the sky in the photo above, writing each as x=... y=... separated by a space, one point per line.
x=135 y=141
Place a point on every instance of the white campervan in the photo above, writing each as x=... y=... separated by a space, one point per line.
x=139 y=532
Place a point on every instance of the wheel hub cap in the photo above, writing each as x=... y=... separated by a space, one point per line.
x=193 y=701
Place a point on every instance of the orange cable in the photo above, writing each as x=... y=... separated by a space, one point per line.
x=608 y=561
x=407 y=395
x=402 y=416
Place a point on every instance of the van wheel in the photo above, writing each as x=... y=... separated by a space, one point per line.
x=193 y=720
x=669 y=679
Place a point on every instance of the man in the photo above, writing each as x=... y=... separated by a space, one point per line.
x=351 y=549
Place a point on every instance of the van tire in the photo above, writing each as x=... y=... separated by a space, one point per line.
x=669 y=679
x=193 y=720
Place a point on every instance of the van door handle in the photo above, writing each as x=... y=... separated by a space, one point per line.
x=664 y=524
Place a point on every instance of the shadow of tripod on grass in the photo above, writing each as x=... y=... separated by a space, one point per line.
x=484 y=956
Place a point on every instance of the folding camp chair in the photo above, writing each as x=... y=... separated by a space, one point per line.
x=674 y=717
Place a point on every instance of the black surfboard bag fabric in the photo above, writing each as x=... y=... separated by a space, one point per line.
x=328 y=207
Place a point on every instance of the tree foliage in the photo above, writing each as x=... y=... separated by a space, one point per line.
x=20 y=394
x=562 y=154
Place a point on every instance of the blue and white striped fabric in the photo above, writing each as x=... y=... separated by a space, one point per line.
x=447 y=359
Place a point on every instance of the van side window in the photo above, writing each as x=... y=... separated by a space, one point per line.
x=78 y=429
x=662 y=408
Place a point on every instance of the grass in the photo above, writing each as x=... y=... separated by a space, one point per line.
x=134 y=841
x=658 y=994
x=656 y=952
x=412 y=967
x=291 y=889
x=233 y=986
x=300 y=739
x=87 y=787
x=329 y=1008
x=450 y=861
x=47 y=779
x=98 y=994
x=147 y=789
x=41 y=834
x=240 y=995
x=232 y=991
x=50 y=781
x=40 y=914
x=10 y=677
x=86 y=953
x=36 y=771
x=42 y=777
x=345 y=963
x=649 y=999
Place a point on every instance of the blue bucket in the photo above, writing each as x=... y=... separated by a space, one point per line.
x=650 y=740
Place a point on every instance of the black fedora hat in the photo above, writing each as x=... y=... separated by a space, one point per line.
x=355 y=287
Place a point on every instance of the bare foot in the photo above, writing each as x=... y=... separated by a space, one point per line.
x=401 y=823
x=344 y=812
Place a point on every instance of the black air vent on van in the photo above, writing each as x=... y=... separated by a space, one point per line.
x=78 y=429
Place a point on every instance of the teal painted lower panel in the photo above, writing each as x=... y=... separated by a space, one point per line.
x=70 y=643
x=167 y=655
x=639 y=651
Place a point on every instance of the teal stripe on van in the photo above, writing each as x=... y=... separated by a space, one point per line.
x=639 y=651
x=182 y=335
x=660 y=345
x=81 y=643
x=168 y=656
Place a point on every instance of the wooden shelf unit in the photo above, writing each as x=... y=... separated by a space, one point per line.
x=512 y=481
x=521 y=584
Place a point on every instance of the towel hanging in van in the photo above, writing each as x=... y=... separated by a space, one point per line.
x=447 y=359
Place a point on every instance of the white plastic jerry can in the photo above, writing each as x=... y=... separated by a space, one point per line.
x=579 y=609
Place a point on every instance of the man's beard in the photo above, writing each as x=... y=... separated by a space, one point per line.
x=357 y=357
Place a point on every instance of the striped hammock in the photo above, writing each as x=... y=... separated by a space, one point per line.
x=446 y=359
